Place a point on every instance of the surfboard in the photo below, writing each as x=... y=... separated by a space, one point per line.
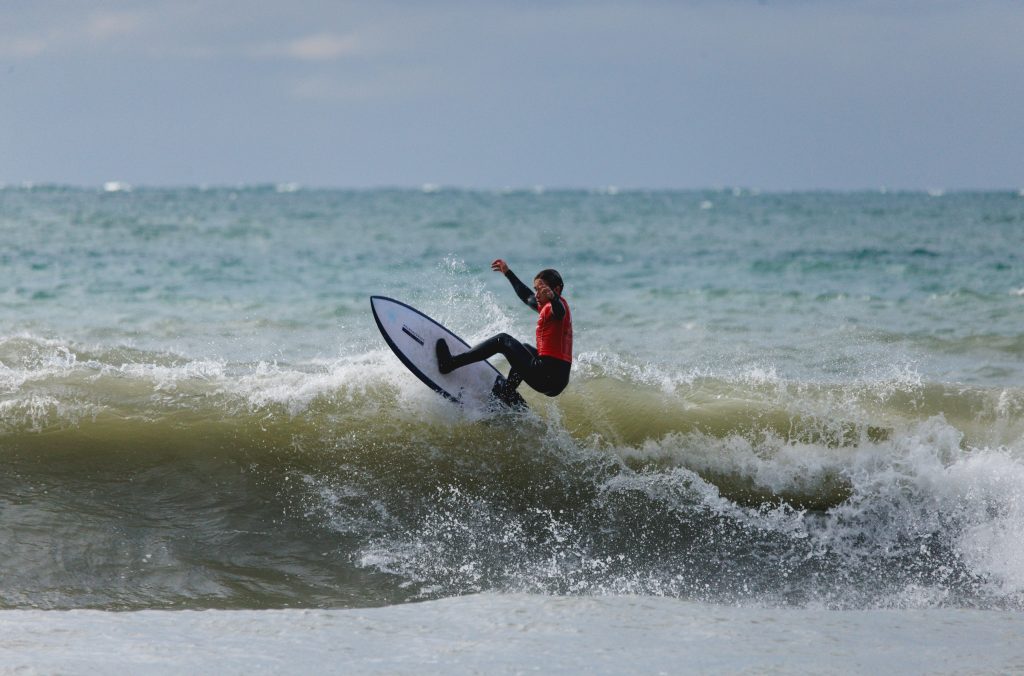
x=412 y=336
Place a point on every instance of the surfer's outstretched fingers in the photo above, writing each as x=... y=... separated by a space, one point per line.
x=499 y=265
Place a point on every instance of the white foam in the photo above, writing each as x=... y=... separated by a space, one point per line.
x=36 y=373
x=166 y=377
x=921 y=484
x=39 y=412
x=680 y=486
x=993 y=543
x=33 y=358
x=929 y=485
x=770 y=463
x=268 y=383
x=507 y=634
x=606 y=364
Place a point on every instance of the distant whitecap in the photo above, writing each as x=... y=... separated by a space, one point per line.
x=706 y=205
x=287 y=187
x=116 y=186
x=430 y=188
x=936 y=192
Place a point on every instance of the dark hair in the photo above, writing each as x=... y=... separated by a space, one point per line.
x=550 y=277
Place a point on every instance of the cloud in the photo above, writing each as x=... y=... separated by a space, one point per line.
x=109 y=25
x=318 y=47
x=22 y=48
x=73 y=34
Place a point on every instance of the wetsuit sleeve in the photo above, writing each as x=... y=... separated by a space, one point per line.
x=557 y=308
x=523 y=291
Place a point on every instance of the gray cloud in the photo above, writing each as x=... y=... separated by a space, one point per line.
x=774 y=95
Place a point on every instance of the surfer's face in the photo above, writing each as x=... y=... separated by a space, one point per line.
x=542 y=291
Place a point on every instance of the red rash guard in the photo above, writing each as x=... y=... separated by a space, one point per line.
x=554 y=336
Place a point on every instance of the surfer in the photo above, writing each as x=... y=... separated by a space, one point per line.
x=546 y=367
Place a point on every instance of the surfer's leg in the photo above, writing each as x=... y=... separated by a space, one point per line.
x=513 y=380
x=515 y=376
x=520 y=358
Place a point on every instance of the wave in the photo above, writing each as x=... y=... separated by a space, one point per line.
x=725 y=487
x=713 y=424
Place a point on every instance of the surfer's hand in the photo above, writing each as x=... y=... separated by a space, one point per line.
x=500 y=266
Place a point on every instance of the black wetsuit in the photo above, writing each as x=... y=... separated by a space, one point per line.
x=548 y=375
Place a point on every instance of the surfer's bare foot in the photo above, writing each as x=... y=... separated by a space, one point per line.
x=444 y=357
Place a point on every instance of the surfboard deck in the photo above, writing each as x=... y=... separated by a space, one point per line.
x=412 y=336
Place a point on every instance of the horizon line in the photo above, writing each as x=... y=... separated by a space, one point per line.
x=538 y=189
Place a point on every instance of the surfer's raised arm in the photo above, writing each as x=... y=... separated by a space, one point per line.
x=524 y=292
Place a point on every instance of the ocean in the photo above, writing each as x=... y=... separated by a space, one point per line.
x=793 y=440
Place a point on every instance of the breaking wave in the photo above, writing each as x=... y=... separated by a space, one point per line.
x=736 y=487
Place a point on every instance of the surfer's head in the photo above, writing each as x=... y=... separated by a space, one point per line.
x=550 y=279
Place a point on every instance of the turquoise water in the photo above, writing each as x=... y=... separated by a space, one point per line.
x=803 y=400
x=250 y=274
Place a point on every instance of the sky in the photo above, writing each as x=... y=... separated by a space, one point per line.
x=770 y=95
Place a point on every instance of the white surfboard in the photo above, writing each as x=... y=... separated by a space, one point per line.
x=413 y=336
